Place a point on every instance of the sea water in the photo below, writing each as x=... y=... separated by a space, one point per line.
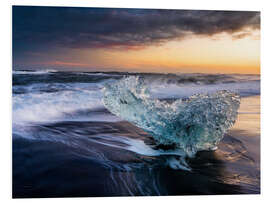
x=68 y=142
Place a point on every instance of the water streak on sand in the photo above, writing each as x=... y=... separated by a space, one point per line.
x=64 y=136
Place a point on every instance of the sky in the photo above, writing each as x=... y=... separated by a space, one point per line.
x=136 y=40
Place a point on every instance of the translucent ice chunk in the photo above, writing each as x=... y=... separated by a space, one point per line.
x=197 y=123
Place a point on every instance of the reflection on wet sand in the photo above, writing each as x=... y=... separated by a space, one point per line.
x=76 y=155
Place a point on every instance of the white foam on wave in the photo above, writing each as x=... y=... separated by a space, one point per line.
x=36 y=72
x=47 y=107
x=182 y=91
x=97 y=74
x=50 y=87
x=37 y=105
x=50 y=102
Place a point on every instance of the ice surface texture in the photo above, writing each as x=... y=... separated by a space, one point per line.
x=194 y=124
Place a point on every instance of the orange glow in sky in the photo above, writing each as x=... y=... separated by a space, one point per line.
x=217 y=54
x=136 y=40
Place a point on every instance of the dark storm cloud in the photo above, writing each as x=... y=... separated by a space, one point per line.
x=131 y=28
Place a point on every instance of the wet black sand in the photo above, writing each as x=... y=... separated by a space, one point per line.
x=61 y=160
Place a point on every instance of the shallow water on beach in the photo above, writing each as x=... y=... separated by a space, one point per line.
x=66 y=144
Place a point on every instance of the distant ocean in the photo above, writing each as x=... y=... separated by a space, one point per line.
x=67 y=144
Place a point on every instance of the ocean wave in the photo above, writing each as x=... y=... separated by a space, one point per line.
x=53 y=106
x=55 y=87
x=196 y=78
x=34 y=72
x=195 y=124
x=166 y=91
x=57 y=97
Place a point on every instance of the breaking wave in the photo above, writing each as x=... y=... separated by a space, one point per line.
x=193 y=124
x=38 y=105
x=32 y=72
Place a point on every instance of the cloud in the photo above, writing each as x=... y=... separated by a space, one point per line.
x=121 y=28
